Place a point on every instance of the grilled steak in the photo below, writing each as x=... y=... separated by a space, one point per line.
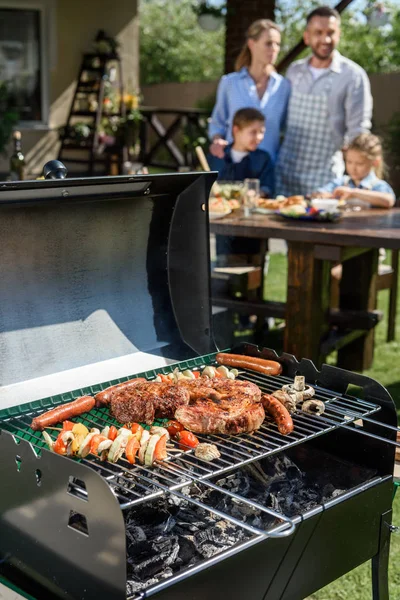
x=232 y=407
x=216 y=406
x=147 y=401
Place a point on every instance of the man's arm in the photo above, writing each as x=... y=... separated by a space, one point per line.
x=358 y=106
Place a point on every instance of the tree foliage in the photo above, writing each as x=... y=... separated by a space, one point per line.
x=376 y=50
x=173 y=47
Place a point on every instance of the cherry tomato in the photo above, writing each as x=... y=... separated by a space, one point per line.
x=131 y=450
x=95 y=442
x=187 y=440
x=112 y=434
x=174 y=427
x=59 y=446
x=68 y=425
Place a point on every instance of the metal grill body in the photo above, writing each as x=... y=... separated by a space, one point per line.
x=296 y=551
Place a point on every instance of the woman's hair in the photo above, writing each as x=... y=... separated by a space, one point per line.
x=253 y=33
x=371 y=146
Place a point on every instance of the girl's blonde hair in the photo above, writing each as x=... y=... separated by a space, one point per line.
x=371 y=146
x=253 y=33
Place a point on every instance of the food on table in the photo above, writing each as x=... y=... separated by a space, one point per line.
x=231 y=407
x=207 y=452
x=261 y=365
x=227 y=191
x=104 y=397
x=281 y=202
x=313 y=407
x=279 y=413
x=219 y=205
x=294 y=211
x=63 y=412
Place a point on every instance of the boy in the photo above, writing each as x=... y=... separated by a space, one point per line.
x=242 y=158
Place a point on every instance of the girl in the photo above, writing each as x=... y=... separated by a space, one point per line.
x=363 y=185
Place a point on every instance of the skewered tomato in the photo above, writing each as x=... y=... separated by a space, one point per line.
x=164 y=378
x=187 y=440
x=131 y=450
x=68 y=425
x=174 y=427
x=60 y=447
x=137 y=430
x=95 y=442
x=160 y=452
x=113 y=432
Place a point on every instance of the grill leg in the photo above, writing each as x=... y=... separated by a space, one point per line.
x=380 y=562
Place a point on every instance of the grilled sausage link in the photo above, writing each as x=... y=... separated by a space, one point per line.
x=267 y=367
x=103 y=398
x=63 y=412
x=279 y=413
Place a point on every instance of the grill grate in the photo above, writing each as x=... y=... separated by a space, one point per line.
x=133 y=484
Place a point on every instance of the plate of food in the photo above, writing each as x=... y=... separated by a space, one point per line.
x=219 y=215
x=310 y=213
x=229 y=191
x=267 y=206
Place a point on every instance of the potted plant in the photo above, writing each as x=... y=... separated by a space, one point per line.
x=209 y=16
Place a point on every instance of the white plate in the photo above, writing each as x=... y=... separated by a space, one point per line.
x=219 y=215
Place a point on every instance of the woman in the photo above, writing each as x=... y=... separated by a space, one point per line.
x=254 y=84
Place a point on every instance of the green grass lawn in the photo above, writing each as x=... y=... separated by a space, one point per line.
x=356 y=585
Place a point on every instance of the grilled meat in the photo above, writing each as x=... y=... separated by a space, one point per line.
x=147 y=401
x=228 y=415
x=216 y=406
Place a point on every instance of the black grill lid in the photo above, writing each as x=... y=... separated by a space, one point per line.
x=97 y=268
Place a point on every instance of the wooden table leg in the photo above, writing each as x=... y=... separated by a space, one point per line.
x=307 y=303
x=358 y=292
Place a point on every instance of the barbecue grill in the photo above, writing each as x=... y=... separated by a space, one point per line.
x=105 y=279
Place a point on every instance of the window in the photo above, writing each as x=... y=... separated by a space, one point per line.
x=21 y=64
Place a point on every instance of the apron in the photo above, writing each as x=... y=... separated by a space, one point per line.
x=309 y=156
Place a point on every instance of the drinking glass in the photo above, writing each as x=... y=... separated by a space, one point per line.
x=251 y=194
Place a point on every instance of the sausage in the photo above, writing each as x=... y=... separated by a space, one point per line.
x=103 y=398
x=279 y=413
x=63 y=412
x=267 y=367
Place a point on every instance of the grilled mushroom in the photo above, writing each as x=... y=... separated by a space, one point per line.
x=288 y=401
x=314 y=407
x=299 y=390
x=207 y=451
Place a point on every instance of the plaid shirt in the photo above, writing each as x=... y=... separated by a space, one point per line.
x=238 y=90
x=350 y=100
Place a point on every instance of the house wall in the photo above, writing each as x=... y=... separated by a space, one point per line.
x=72 y=26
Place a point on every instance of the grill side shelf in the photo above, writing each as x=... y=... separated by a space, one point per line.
x=45 y=525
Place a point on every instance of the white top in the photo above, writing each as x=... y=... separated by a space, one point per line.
x=317 y=73
x=238 y=155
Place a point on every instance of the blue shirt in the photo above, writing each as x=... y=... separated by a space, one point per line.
x=238 y=90
x=370 y=182
x=255 y=165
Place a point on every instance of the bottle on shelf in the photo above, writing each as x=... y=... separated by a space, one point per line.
x=17 y=159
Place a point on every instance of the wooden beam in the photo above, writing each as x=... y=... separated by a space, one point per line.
x=294 y=52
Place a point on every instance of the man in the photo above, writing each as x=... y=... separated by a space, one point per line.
x=330 y=105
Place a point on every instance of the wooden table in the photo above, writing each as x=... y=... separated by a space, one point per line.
x=312 y=250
